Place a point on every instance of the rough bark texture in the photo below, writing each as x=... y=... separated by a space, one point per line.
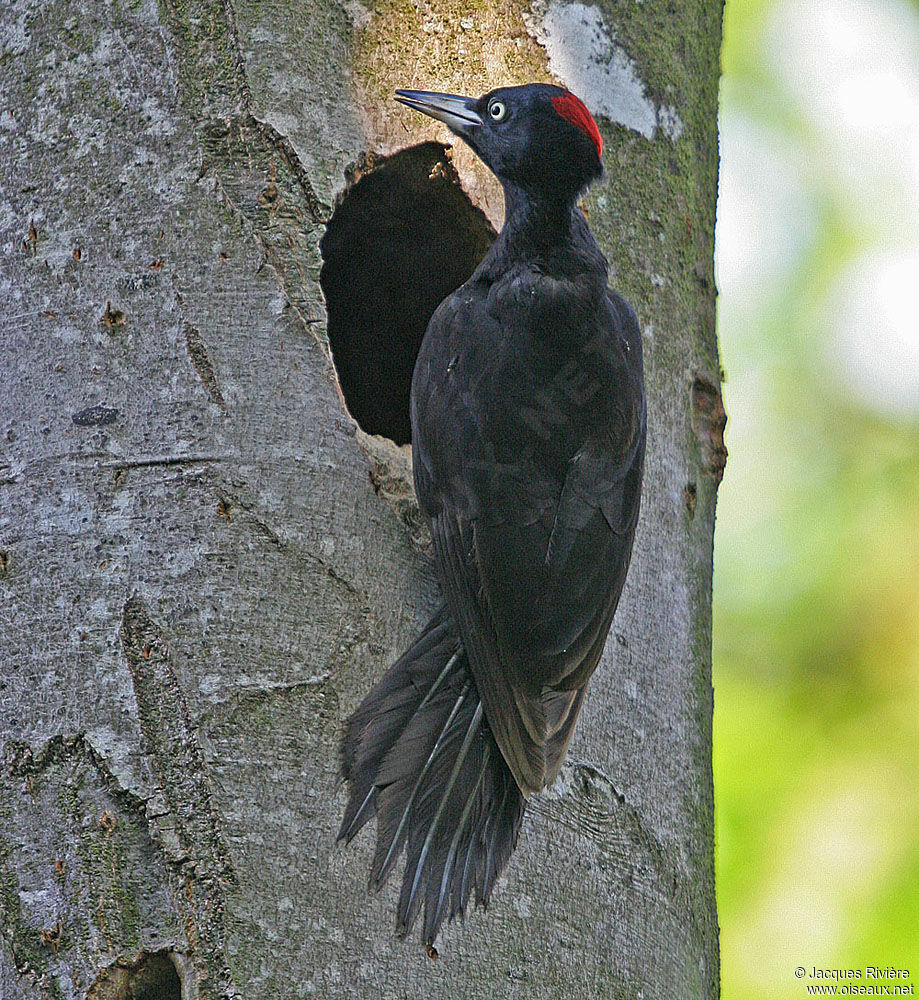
x=203 y=564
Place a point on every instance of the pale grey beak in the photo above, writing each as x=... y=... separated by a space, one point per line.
x=456 y=112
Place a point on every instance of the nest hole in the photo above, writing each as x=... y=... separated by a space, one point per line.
x=151 y=976
x=402 y=237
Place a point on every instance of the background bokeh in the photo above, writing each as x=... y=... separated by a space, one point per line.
x=817 y=540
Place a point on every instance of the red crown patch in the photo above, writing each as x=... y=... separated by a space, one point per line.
x=573 y=110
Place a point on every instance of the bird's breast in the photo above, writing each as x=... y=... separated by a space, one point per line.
x=502 y=383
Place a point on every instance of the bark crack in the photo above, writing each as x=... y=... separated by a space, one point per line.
x=285 y=212
x=263 y=182
x=708 y=423
x=318 y=210
x=239 y=58
x=586 y=801
x=21 y=761
x=186 y=823
x=201 y=361
x=90 y=851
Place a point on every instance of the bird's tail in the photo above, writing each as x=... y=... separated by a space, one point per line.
x=419 y=755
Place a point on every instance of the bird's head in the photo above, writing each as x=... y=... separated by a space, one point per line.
x=539 y=138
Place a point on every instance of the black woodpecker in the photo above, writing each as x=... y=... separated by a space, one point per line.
x=528 y=440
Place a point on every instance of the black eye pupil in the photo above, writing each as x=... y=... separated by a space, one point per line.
x=497 y=110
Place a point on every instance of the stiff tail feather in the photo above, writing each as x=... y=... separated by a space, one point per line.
x=418 y=754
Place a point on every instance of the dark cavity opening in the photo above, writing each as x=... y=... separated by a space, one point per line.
x=403 y=236
x=153 y=976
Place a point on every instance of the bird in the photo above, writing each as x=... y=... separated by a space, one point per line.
x=528 y=419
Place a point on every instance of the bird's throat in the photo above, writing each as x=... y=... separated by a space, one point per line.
x=535 y=224
x=547 y=231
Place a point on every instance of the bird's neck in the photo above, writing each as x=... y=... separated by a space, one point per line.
x=538 y=220
x=545 y=227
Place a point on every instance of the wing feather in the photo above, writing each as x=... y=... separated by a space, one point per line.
x=532 y=517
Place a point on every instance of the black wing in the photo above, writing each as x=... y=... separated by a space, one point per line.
x=528 y=456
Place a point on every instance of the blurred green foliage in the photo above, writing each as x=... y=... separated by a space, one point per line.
x=816 y=616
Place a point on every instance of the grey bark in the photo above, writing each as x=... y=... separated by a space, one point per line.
x=203 y=564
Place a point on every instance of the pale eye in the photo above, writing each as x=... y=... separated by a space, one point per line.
x=497 y=111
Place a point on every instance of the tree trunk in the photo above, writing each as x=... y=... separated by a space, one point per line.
x=204 y=563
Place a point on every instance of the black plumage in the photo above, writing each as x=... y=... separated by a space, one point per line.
x=528 y=433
